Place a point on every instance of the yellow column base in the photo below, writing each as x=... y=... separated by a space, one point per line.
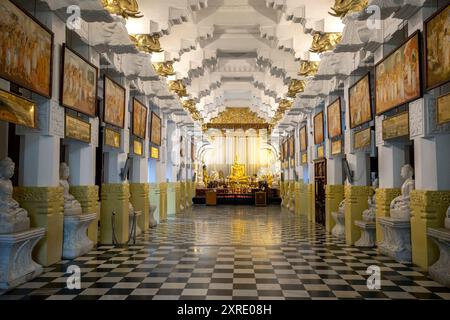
x=88 y=198
x=297 y=198
x=304 y=200
x=383 y=198
x=140 y=200
x=45 y=206
x=428 y=209
x=355 y=203
x=180 y=196
x=334 y=194
x=163 y=201
x=311 y=203
x=115 y=197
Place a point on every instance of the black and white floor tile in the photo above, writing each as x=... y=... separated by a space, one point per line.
x=225 y=253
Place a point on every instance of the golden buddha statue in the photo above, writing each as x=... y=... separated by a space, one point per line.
x=238 y=172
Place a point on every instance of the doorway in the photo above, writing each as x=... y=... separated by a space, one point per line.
x=320 y=181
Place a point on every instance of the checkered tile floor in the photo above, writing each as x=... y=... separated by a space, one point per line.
x=232 y=253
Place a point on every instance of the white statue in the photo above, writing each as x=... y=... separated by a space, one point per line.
x=13 y=218
x=342 y=207
x=71 y=205
x=400 y=205
x=370 y=213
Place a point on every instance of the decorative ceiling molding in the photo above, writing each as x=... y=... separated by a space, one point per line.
x=237 y=118
x=342 y=7
x=325 y=41
x=124 y=8
x=164 y=69
x=146 y=42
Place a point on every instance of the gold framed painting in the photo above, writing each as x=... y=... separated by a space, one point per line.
x=291 y=147
x=398 y=76
x=26 y=50
x=304 y=159
x=334 y=123
x=155 y=132
x=362 y=139
x=336 y=147
x=320 y=152
x=396 y=126
x=114 y=103
x=443 y=109
x=437 y=48
x=360 y=102
x=77 y=129
x=139 y=127
x=79 y=83
x=154 y=153
x=137 y=147
x=303 y=139
x=18 y=110
x=318 y=128
x=112 y=138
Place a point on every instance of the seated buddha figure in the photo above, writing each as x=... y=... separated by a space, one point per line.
x=237 y=172
x=399 y=207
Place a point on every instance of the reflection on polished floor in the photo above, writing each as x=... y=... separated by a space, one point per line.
x=233 y=253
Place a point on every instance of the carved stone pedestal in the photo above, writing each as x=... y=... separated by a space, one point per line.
x=153 y=223
x=16 y=263
x=440 y=271
x=339 y=228
x=367 y=234
x=130 y=224
x=396 y=241
x=76 y=242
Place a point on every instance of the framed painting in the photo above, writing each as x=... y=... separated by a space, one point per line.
x=112 y=138
x=362 y=139
x=291 y=147
x=114 y=100
x=437 y=48
x=154 y=153
x=303 y=139
x=396 y=126
x=398 y=76
x=360 y=102
x=139 y=127
x=18 y=110
x=336 y=147
x=334 y=122
x=77 y=129
x=155 y=133
x=443 y=109
x=318 y=128
x=79 y=83
x=137 y=147
x=26 y=50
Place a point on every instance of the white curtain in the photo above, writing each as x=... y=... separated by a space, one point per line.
x=250 y=147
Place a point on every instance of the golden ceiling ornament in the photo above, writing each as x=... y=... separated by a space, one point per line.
x=164 y=69
x=189 y=105
x=238 y=118
x=295 y=86
x=124 y=8
x=178 y=87
x=284 y=105
x=342 y=7
x=308 y=68
x=146 y=42
x=325 y=41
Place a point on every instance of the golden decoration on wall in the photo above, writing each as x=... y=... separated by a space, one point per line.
x=77 y=129
x=396 y=126
x=320 y=152
x=112 y=138
x=336 y=147
x=137 y=147
x=178 y=87
x=16 y=109
x=154 y=153
x=325 y=41
x=304 y=159
x=443 y=109
x=164 y=69
x=237 y=118
x=362 y=139
x=189 y=105
x=146 y=42
x=342 y=7
x=124 y=8
x=308 y=68
x=295 y=86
